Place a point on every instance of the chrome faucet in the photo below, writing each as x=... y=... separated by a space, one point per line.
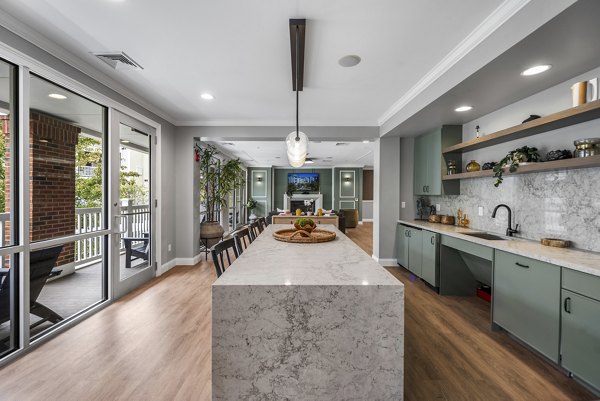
x=509 y=231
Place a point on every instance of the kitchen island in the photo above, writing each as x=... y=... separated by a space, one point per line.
x=307 y=322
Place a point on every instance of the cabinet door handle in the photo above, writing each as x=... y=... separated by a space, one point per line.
x=521 y=265
x=423 y=188
x=567 y=304
x=427 y=188
x=432 y=238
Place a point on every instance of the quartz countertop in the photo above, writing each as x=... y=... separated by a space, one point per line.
x=339 y=262
x=583 y=261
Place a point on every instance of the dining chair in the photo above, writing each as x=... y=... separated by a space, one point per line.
x=220 y=254
x=242 y=239
x=262 y=223
x=254 y=230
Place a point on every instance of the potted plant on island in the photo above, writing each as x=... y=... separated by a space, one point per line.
x=217 y=179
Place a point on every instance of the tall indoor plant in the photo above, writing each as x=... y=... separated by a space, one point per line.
x=217 y=179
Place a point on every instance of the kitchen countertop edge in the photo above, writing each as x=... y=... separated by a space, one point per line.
x=574 y=259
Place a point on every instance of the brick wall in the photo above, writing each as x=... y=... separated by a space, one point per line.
x=52 y=180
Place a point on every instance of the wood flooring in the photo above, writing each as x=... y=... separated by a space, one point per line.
x=154 y=344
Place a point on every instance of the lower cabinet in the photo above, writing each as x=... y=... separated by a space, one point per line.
x=526 y=301
x=415 y=252
x=430 y=259
x=580 y=337
x=402 y=245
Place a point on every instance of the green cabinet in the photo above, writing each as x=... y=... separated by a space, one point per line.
x=415 y=251
x=402 y=245
x=526 y=301
x=430 y=259
x=580 y=324
x=430 y=165
x=409 y=248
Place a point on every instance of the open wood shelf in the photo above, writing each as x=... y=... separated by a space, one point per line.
x=575 y=115
x=575 y=163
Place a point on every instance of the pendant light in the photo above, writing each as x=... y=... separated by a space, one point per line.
x=297 y=141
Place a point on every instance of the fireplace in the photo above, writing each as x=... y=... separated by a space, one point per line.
x=299 y=204
x=296 y=201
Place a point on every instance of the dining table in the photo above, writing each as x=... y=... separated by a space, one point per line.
x=307 y=321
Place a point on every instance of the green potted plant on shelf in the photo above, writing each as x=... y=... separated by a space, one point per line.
x=218 y=178
x=513 y=160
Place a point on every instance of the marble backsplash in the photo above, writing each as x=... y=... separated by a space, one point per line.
x=559 y=204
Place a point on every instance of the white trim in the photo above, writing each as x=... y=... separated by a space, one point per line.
x=353 y=184
x=272 y=123
x=162 y=269
x=489 y=25
x=385 y=262
x=367 y=201
x=29 y=34
x=189 y=261
x=366 y=221
x=265 y=176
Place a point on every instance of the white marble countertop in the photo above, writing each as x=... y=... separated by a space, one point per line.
x=339 y=262
x=583 y=261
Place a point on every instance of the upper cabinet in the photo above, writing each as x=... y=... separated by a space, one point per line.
x=430 y=164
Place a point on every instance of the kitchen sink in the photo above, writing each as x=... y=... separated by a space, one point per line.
x=487 y=236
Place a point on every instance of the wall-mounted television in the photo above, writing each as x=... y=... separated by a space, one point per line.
x=303 y=182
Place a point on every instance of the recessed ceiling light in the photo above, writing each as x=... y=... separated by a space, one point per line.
x=124 y=141
x=308 y=161
x=366 y=141
x=57 y=96
x=207 y=96
x=538 y=69
x=349 y=61
x=463 y=108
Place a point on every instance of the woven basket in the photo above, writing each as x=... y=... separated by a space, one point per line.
x=303 y=237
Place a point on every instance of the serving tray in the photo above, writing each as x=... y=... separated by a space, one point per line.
x=303 y=237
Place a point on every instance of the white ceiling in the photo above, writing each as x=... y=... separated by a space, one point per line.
x=324 y=154
x=240 y=52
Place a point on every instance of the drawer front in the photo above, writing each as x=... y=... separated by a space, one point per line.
x=469 y=247
x=580 y=342
x=526 y=301
x=581 y=283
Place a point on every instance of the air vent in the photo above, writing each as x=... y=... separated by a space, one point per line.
x=342 y=144
x=119 y=61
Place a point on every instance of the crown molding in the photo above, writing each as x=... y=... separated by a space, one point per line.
x=488 y=26
x=34 y=37
x=287 y=123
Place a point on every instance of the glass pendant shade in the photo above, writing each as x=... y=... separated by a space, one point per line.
x=297 y=149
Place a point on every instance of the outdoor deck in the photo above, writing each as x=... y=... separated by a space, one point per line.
x=71 y=294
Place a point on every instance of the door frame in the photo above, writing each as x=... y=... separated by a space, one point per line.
x=119 y=287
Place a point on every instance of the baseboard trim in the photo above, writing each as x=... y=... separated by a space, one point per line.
x=367 y=221
x=166 y=267
x=384 y=261
x=189 y=261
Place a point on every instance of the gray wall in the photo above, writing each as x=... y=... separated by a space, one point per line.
x=166 y=144
x=386 y=205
